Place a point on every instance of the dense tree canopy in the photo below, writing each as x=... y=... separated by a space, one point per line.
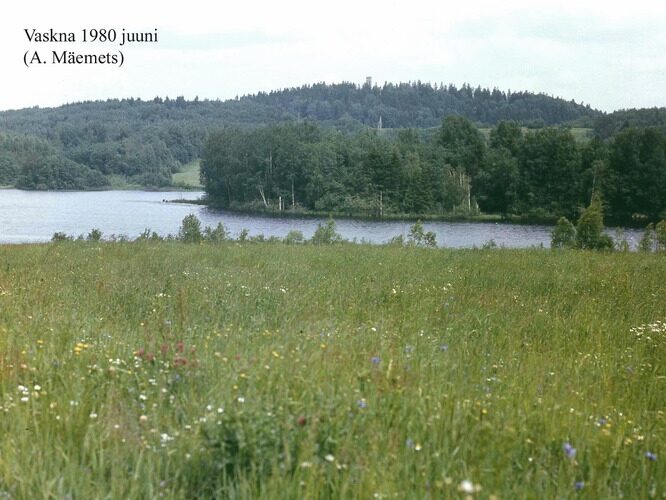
x=545 y=172
x=144 y=142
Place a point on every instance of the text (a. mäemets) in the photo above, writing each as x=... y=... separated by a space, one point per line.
x=77 y=55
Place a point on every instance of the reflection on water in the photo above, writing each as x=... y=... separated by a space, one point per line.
x=33 y=216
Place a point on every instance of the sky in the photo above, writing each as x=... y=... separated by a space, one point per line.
x=610 y=55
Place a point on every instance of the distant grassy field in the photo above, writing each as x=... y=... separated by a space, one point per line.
x=188 y=176
x=582 y=135
x=144 y=370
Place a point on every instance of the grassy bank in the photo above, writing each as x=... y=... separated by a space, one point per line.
x=141 y=370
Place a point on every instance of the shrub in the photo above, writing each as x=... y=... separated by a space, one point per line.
x=419 y=237
x=647 y=241
x=294 y=237
x=190 y=230
x=60 y=237
x=94 y=235
x=661 y=236
x=216 y=235
x=563 y=234
x=398 y=240
x=325 y=234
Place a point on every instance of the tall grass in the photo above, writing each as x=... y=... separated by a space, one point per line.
x=143 y=369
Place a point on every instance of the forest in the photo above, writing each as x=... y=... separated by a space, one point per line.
x=409 y=148
x=543 y=173
x=131 y=141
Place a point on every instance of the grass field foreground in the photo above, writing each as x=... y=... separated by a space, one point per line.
x=142 y=370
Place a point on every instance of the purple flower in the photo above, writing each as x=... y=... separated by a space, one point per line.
x=579 y=485
x=409 y=443
x=375 y=360
x=362 y=404
x=569 y=450
x=650 y=456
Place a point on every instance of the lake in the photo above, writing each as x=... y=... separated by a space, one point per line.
x=33 y=216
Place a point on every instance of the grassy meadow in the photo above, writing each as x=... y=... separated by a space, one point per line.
x=146 y=370
x=188 y=176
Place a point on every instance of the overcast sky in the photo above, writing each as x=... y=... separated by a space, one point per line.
x=606 y=54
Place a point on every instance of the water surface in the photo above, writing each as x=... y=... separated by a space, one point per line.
x=33 y=216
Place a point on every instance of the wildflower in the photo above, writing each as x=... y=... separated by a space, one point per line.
x=569 y=450
x=650 y=456
x=579 y=485
x=444 y=347
x=375 y=360
x=467 y=486
x=302 y=421
x=409 y=443
x=143 y=418
x=329 y=458
x=362 y=404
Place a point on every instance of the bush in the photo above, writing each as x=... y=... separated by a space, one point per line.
x=294 y=238
x=563 y=234
x=94 y=235
x=147 y=235
x=326 y=234
x=60 y=237
x=398 y=240
x=190 y=230
x=648 y=240
x=216 y=235
x=661 y=236
x=419 y=237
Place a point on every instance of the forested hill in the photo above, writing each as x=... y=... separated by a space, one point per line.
x=420 y=105
x=93 y=144
x=608 y=125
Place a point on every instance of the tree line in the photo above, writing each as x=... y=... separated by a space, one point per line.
x=144 y=142
x=543 y=173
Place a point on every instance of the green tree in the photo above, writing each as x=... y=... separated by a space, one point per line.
x=590 y=227
x=637 y=166
x=463 y=144
x=549 y=164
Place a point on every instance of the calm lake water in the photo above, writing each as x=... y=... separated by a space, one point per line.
x=33 y=216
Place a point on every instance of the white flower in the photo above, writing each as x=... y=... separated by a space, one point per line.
x=467 y=486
